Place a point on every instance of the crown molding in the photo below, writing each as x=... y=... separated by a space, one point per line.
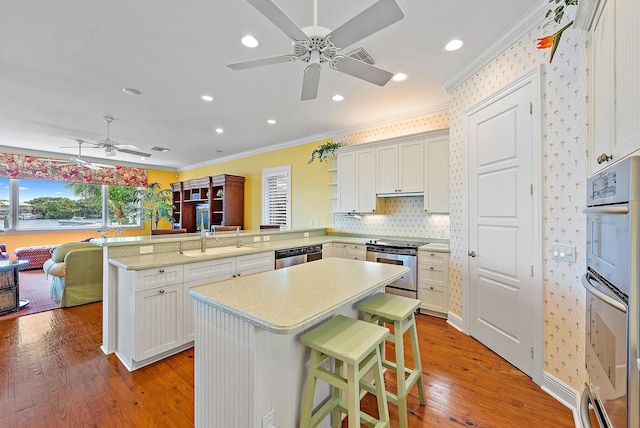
x=533 y=17
x=390 y=120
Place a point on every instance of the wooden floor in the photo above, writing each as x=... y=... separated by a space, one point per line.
x=53 y=374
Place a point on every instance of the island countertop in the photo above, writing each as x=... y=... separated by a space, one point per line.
x=286 y=301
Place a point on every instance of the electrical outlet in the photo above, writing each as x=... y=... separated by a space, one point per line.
x=146 y=249
x=564 y=253
x=256 y=239
x=306 y=234
x=269 y=419
x=266 y=238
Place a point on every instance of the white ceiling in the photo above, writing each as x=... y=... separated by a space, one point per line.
x=63 y=65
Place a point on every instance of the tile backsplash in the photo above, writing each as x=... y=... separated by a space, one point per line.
x=404 y=216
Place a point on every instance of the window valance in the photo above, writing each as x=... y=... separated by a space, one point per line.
x=33 y=168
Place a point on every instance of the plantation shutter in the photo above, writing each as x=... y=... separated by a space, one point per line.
x=276 y=194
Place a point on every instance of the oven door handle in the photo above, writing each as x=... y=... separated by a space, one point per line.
x=606 y=210
x=586 y=282
x=584 y=408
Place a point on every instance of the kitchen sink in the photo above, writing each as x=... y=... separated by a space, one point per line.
x=230 y=250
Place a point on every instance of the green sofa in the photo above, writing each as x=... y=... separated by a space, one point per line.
x=76 y=269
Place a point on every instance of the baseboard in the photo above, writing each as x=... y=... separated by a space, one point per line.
x=455 y=321
x=564 y=393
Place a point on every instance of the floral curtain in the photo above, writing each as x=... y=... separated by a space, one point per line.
x=34 y=168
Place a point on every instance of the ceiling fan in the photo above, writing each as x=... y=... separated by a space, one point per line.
x=316 y=45
x=79 y=160
x=111 y=147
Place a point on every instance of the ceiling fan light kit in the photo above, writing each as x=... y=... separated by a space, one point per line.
x=316 y=45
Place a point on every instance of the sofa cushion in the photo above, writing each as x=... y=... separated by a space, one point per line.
x=60 y=252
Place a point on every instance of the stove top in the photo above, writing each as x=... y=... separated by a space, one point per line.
x=396 y=244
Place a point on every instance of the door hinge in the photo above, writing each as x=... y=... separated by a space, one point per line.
x=531 y=188
x=531 y=271
x=530 y=107
x=532 y=352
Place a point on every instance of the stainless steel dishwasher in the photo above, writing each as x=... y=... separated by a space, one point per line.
x=295 y=256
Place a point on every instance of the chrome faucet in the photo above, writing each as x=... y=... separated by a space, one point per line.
x=203 y=238
x=238 y=243
x=182 y=246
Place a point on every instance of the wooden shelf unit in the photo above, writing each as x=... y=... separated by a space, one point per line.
x=223 y=194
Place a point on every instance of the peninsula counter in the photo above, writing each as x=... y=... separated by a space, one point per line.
x=248 y=358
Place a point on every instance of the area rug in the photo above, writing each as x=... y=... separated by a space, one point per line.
x=35 y=288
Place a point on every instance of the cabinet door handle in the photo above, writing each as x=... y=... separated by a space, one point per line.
x=161 y=271
x=471 y=254
x=431 y=288
x=161 y=291
x=604 y=158
x=237 y=274
x=431 y=268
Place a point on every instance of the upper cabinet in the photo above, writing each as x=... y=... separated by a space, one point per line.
x=614 y=90
x=436 y=175
x=209 y=201
x=400 y=168
x=356 y=180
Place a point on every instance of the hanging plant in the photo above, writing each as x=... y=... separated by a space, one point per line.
x=323 y=151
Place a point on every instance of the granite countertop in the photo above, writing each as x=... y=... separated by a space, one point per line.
x=287 y=301
x=156 y=260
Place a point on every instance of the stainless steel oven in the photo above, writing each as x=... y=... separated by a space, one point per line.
x=400 y=253
x=612 y=283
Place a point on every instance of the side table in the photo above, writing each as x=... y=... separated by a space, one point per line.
x=10 y=286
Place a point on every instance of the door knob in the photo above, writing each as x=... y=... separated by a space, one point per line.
x=471 y=253
x=604 y=158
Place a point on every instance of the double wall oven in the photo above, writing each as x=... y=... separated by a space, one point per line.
x=612 y=285
x=402 y=253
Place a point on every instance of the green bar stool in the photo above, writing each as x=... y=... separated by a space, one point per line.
x=355 y=347
x=397 y=310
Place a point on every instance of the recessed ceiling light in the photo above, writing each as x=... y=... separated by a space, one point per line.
x=207 y=97
x=337 y=98
x=399 y=77
x=218 y=151
x=131 y=91
x=219 y=130
x=454 y=45
x=249 y=41
x=271 y=121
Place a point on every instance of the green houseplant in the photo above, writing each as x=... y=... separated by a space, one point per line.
x=155 y=203
x=323 y=151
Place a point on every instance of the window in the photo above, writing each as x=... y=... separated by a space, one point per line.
x=276 y=196
x=54 y=205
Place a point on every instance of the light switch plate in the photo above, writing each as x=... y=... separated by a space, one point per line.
x=256 y=239
x=266 y=238
x=146 y=249
x=563 y=253
x=306 y=234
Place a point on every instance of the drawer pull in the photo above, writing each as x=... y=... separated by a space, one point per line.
x=161 y=291
x=161 y=271
x=431 y=268
x=431 y=288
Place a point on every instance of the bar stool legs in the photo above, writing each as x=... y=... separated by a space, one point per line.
x=397 y=310
x=355 y=347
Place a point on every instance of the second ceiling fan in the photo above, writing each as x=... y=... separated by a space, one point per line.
x=111 y=147
x=316 y=45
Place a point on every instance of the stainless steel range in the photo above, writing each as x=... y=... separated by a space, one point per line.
x=401 y=253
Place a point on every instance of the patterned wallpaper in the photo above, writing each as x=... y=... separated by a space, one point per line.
x=564 y=137
x=564 y=122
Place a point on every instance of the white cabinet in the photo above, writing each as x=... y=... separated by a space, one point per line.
x=198 y=274
x=614 y=90
x=149 y=313
x=327 y=250
x=255 y=263
x=356 y=181
x=339 y=250
x=433 y=283
x=356 y=252
x=400 y=168
x=436 y=176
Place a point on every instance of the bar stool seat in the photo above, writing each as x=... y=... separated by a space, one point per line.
x=355 y=347
x=384 y=309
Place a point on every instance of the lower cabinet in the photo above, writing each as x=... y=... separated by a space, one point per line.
x=339 y=250
x=433 y=283
x=154 y=313
x=356 y=252
x=345 y=251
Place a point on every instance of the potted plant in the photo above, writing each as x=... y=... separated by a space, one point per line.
x=323 y=151
x=155 y=203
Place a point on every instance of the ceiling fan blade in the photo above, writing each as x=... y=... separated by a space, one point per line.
x=363 y=71
x=375 y=18
x=133 y=152
x=274 y=14
x=260 y=62
x=82 y=162
x=310 y=82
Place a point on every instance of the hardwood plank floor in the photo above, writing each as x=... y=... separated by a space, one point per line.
x=53 y=374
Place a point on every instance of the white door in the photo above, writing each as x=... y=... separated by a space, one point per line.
x=501 y=255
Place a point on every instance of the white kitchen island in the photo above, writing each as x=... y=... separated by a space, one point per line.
x=248 y=358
